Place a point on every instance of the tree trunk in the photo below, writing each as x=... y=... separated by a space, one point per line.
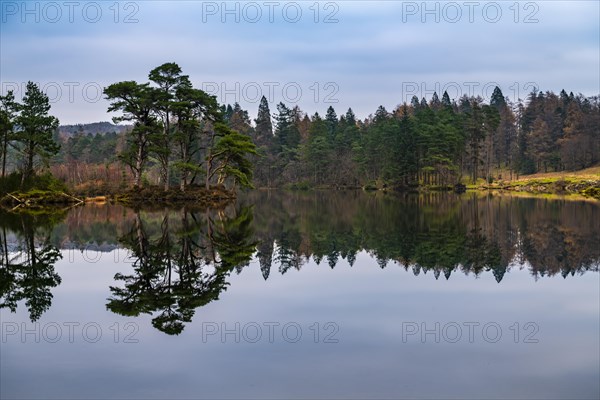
x=138 y=168
x=4 y=154
x=167 y=172
x=208 y=171
x=29 y=166
x=166 y=175
x=184 y=172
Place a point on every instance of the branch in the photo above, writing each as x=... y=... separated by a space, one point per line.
x=68 y=195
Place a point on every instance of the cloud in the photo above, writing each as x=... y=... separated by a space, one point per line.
x=370 y=54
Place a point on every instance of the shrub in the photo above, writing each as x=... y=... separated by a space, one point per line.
x=45 y=182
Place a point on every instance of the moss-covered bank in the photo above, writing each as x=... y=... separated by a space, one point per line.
x=36 y=197
x=584 y=187
x=215 y=197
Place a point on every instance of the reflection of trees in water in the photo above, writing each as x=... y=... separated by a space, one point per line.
x=560 y=238
x=441 y=233
x=27 y=266
x=182 y=259
x=181 y=262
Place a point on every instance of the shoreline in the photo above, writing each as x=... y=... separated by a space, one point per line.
x=219 y=197
x=215 y=197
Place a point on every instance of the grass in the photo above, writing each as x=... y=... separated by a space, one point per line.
x=35 y=191
x=584 y=183
x=592 y=173
x=537 y=195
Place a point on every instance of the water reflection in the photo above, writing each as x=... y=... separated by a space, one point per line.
x=27 y=262
x=181 y=262
x=182 y=259
x=441 y=233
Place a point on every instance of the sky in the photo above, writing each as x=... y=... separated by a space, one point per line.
x=358 y=54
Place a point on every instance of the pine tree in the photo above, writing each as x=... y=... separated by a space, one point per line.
x=136 y=102
x=332 y=122
x=350 y=117
x=8 y=110
x=446 y=100
x=264 y=126
x=286 y=130
x=318 y=148
x=35 y=129
x=167 y=77
x=239 y=120
x=414 y=102
x=229 y=157
x=435 y=102
x=497 y=100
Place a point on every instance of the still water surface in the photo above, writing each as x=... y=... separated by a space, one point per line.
x=304 y=295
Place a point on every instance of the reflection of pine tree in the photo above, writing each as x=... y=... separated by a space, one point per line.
x=332 y=258
x=265 y=256
x=381 y=261
x=232 y=240
x=475 y=252
x=288 y=244
x=29 y=274
x=447 y=273
x=351 y=257
x=285 y=256
x=494 y=261
x=37 y=277
x=170 y=272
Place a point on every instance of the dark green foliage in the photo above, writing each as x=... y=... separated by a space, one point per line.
x=181 y=264
x=28 y=275
x=177 y=127
x=287 y=135
x=15 y=181
x=229 y=159
x=87 y=148
x=264 y=125
x=8 y=111
x=438 y=143
x=178 y=135
x=35 y=129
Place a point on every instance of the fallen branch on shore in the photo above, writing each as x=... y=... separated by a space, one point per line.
x=36 y=198
x=73 y=197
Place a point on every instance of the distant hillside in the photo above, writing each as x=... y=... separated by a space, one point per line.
x=94 y=128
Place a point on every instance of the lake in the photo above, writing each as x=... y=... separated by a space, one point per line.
x=304 y=295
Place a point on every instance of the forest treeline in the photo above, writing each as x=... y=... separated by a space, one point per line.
x=179 y=136
x=435 y=142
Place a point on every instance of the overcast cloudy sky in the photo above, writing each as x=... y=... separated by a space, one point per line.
x=314 y=54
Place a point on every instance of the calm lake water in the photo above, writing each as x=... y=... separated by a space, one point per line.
x=304 y=295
